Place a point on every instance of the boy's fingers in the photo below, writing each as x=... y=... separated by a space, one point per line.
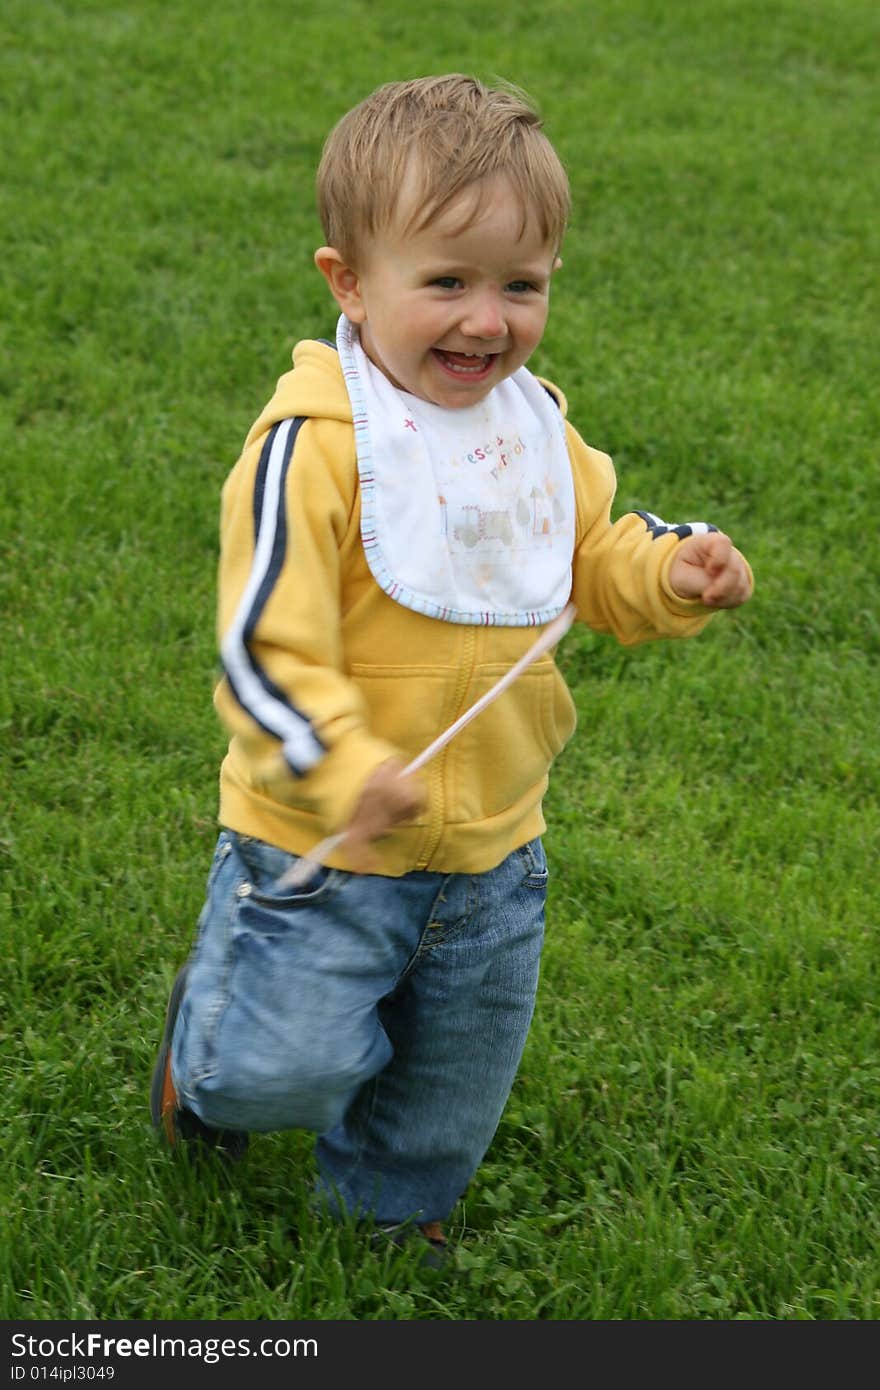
x=359 y=851
x=729 y=590
x=414 y=797
x=718 y=551
x=361 y=859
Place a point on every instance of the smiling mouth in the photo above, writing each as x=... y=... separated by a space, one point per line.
x=466 y=364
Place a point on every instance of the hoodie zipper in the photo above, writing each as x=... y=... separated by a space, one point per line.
x=436 y=771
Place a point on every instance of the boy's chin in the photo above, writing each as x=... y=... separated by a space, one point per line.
x=456 y=399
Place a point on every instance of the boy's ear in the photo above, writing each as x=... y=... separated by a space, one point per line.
x=344 y=282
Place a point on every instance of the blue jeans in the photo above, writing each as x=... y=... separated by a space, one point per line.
x=388 y=1015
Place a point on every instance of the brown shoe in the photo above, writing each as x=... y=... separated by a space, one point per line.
x=173 y=1120
x=437 y=1253
x=434 y=1234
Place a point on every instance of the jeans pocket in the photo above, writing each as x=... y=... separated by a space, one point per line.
x=266 y=866
x=536 y=874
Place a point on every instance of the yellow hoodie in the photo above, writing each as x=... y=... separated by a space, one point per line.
x=326 y=676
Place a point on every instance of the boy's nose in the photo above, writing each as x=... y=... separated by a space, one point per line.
x=485 y=317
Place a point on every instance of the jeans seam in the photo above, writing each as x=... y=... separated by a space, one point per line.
x=422 y=947
x=355 y=1163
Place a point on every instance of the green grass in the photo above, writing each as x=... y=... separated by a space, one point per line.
x=694 y=1133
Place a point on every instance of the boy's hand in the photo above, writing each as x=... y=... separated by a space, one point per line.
x=711 y=569
x=386 y=800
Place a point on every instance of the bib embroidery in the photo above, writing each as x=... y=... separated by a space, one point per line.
x=466 y=515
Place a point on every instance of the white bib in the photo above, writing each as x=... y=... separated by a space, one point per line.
x=466 y=515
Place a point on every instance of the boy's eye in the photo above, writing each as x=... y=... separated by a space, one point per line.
x=520 y=286
x=447 y=282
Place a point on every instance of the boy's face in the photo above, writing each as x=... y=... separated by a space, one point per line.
x=449 y=311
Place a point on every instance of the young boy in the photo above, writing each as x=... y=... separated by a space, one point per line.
x=410 y=505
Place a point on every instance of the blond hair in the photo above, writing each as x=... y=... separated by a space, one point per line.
x=447 y=134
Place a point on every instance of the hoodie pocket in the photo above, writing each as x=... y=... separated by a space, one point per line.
x=503 y=758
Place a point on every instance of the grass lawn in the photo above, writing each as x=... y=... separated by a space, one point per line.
x=694 y=1131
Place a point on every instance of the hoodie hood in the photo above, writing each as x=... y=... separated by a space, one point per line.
x=314 y=387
